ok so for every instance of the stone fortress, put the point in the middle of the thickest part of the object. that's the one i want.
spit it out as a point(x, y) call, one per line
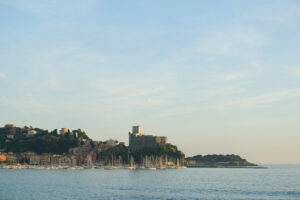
point(137, 140)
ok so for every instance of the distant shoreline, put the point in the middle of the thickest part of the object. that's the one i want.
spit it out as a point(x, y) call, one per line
point(239, 167)
point(20, 166)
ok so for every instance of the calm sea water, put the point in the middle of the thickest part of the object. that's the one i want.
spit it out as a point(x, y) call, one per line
point(277, 182)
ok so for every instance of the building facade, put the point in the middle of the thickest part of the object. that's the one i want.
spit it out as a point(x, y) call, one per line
point(2, 157)
point(11, 157)
point(138, 140)
point(34, 159)
point(112, 143)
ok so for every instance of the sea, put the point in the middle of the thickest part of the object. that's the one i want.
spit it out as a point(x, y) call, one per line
point(280, 182)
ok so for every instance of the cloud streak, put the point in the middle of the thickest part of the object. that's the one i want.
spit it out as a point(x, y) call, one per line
point(286, 14)
point(295, 70)
point(228, 76)
point(260, 100)
point(28, 105)
point(223, 103)
point(230, 42)
point(2, 75)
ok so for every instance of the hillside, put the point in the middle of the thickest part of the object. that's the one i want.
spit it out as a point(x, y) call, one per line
point(218, 161)
point(120, 152)
point(17, 140)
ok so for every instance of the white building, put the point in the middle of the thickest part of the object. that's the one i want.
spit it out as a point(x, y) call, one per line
point(112, 142)
point(31, 133)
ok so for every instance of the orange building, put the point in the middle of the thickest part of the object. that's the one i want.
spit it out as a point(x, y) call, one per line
point(2, 157)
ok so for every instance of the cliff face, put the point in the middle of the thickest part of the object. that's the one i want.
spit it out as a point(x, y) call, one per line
point(218, 161)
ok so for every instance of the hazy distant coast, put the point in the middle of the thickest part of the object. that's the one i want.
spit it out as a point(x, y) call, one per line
point(219, 161)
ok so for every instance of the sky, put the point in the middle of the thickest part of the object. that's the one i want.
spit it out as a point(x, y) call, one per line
point(215, 77)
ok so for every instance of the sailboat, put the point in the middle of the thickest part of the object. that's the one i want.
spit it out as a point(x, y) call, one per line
point(161, 166)
point(178, 166)
point(132, 165)
point(110, 166)
point(149, 167)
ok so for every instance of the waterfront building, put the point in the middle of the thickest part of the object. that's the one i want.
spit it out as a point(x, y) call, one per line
point(79, 159)
point(94, 157)
point(11, 157)
point(81, 153)
point(2, 157)
point(34, 159)
point(73, 160)
point(25, 156)
point(87, 159)
point(54, 159)
point(65, 159)
point(45, 159)
point(138, 140)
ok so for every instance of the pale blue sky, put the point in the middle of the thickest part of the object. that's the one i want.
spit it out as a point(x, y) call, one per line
point(214, 76)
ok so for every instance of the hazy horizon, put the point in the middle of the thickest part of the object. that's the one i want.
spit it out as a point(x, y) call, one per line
point(218, 77)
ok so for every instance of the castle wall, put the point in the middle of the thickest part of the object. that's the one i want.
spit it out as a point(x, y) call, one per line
point(139, 141)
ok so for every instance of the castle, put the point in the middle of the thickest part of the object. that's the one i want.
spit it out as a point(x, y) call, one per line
point(137, 140)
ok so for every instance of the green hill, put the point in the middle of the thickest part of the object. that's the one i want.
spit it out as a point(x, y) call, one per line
point(121, 152)
point(18, 140)
point(218, 161)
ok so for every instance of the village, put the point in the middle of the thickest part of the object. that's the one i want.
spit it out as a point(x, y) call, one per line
point(88, 154)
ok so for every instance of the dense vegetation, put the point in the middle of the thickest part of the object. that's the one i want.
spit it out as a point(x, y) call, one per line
point(220, 160)
point(121, 150)
point(114, 153)
point(42, 142)
point(168, 150)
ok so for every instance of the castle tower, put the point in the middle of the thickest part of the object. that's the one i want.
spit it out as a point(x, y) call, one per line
point(137, 140)
point(137, 130)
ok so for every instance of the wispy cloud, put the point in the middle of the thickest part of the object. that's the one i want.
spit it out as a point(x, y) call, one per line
point(55, 85)
point(179, 111)
point(2, 75)
point(131, 93)
point(260, 100)
point(223, 91)
point(125, 88)
point(228, 76)
point(231, 42)
point(295, 70)
point(48, 8)
point(280, 13)
point(95, 58)
point(211, 104)
point(28, 105)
